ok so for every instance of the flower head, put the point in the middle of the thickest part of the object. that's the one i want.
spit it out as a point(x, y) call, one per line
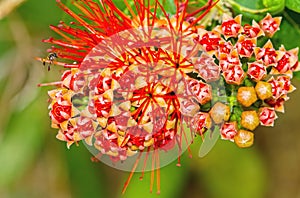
point(134, 82)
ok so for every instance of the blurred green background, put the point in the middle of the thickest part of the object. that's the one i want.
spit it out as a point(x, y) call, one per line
point(34, 164)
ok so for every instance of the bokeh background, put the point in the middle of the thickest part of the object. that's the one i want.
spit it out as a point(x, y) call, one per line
point(34, 164)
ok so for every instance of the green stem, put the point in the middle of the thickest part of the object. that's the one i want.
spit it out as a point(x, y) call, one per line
point(245, 9)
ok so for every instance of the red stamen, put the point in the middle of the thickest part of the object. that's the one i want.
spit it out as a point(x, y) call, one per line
point(58, 84)
point(157, 172)
point(152, 172)
point(131, 173)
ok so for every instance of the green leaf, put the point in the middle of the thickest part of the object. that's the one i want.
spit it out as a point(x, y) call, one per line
point(169, 6)
point(297, 75)
point(293, 5)
point(38, 16)
point(241, 6)
point(289, 33)
point(274, 6)
point(121, 5)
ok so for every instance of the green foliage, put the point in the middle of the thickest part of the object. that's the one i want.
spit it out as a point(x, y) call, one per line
point(226, 171)
point(289, 33)
point(172, 181)
point(253, 9)
point(22, 143)
point(297, 75)
point(39, 15)
point(293, 5)
point(211, 138)
point(169, 6)
point(243, 169)
point(86, 177)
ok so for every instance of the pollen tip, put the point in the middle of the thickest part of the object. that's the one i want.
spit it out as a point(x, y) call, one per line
point(158, 192)
point(179, 165)
point(94, 159)
point(141, 178)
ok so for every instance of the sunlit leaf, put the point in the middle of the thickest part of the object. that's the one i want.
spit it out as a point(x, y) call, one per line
point(253, 5)
point(169, 6)
point(274, 6)
point(293, 5)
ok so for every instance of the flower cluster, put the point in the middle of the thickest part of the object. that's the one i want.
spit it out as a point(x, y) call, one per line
point(140, 84)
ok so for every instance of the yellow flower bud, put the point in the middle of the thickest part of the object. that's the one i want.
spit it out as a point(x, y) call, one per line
point(246, 96)
point(263, 90)
point(244, 138)
point(250, 120)
point(220, 112)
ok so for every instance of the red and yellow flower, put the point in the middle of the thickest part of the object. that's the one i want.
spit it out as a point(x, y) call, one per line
point(134, 82)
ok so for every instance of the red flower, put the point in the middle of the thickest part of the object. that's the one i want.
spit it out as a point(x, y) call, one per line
point(225, 47)
point(68, 133)
point(277, 104)
point(267, 116)
point(270, 25)
point(201, 122)
point(200, 90)
point(228, 131)
point(252, 31)
point(231, 27)
point(228, 60)
point(207, 68)
point(234, 74)
point(61, 111)
point(267, 54)
point(277, 89)
point(257, 71)
point(101, 106)
point(287, 62)
point(210, 41)
point(100, 84)
point(73, 79)
point(245, 46)
point(61, 106)
point(285, 83)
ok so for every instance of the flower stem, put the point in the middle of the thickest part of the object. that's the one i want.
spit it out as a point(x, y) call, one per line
point(245, 9)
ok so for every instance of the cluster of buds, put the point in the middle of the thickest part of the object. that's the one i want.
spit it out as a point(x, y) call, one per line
point(257, 79)
point(137, 83)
